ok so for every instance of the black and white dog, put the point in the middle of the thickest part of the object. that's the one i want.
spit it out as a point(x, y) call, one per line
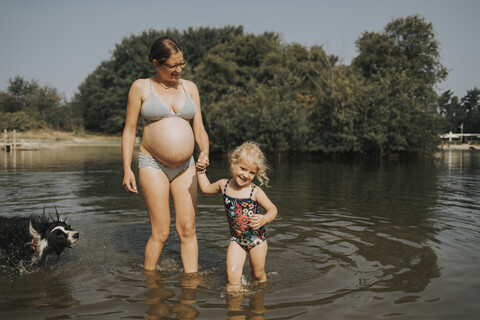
point(27, 241)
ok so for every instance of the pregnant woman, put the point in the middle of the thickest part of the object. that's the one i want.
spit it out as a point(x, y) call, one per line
point(169, 108)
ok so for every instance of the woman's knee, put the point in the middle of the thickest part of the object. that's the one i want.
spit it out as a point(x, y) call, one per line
point(186, 230)
point(160, 235)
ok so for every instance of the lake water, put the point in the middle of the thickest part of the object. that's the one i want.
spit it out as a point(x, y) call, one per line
point(359, 240)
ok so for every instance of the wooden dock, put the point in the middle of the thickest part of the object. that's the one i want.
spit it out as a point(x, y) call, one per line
point(12, 144)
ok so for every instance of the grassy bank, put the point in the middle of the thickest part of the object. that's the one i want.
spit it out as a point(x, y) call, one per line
point(47, 137)
point(47, 134)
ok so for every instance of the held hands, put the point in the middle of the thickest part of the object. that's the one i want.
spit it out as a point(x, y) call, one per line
point(129, 182)
point(202, 162)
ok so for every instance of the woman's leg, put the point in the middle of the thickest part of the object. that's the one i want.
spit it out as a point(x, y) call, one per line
point(258, 256)
point(184, 194)
point(236, 256)
point(155, 190)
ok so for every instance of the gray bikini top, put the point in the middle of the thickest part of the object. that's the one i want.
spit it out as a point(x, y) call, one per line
point(153, 109)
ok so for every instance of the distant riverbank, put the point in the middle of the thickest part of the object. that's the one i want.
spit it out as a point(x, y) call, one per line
point(47, 138)
point(50, 138)
point(456, 146)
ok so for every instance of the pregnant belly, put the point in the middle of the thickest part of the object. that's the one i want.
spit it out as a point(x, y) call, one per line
point(169, 140)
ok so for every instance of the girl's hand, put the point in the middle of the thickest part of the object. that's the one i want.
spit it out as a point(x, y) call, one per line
point(200, 168)
point(129, 182)
point(257, 221)
point(202, 162)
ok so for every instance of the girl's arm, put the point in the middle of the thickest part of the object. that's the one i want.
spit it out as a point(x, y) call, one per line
point(207, 187)
point(201, 136)
point(134, 105)
point(271, 211)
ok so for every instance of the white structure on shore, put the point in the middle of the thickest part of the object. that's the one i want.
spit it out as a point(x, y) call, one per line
point(461, 137)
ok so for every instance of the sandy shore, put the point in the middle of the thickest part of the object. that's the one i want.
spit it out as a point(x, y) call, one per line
point(36, 139)
point(463, 146)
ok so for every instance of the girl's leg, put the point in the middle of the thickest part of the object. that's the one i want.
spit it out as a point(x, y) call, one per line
point(184, 194)
point(155, 190)
point(258, 256)
point(236, 256)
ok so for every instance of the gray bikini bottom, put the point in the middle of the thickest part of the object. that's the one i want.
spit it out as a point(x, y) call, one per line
point(145, 161)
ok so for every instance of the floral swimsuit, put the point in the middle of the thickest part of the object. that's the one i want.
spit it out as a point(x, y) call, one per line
point(239, 211)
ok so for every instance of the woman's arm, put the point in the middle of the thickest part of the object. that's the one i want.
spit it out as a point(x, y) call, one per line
point(134, 105)
point(271, 211)
point(201, 136)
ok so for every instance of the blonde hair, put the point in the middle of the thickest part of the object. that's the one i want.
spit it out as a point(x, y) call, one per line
point(251, 151)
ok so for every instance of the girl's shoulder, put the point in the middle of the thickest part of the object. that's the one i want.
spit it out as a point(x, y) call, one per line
point(222, 183)
point(257, 191)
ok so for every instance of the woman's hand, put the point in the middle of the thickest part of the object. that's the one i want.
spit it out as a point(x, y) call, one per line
point(129, 182)
point(202, 162)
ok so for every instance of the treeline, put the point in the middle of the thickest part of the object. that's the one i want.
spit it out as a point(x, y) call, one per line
point(287, 97)
point(463, 113)
point(26, 105)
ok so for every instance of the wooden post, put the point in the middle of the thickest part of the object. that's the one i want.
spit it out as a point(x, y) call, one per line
point(5, 139)
point(14, 139)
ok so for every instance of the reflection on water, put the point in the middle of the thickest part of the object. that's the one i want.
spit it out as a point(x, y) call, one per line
point(355, 240)
point(158, 297)
point(254, 310)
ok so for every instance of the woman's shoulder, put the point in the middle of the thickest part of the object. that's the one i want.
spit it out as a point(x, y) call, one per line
point(188, 83)
point(141, 87)
point(190, 86)
point(141, 84)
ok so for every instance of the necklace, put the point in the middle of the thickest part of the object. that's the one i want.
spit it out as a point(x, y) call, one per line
point(165, 84)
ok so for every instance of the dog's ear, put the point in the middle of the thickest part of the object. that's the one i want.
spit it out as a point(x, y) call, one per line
point(58, 218)
point(33, 232)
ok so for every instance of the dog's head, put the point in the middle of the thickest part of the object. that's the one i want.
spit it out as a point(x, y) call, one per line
point(51, 236)
point(60, 236)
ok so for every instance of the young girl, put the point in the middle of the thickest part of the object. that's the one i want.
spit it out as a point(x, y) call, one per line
point(241, 198)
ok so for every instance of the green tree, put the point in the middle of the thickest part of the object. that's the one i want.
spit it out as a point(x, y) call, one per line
point(15, 99)
point(235, 63)
point(25, 105)
point(291, 98)
point(402, 67)
point(470, 105)
point(333, 118)
point(455, 112)
point(253, 88)
point(449, 109)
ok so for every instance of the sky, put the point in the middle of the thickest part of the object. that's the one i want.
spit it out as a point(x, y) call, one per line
point(59, 42)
